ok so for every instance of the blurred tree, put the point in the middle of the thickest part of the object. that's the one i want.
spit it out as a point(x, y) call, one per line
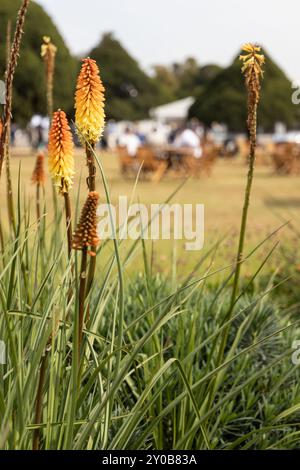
point(206, 74)
point(130, 92)
point(29, 85)
point(223, 99)
point(165, 76)
point(185, 79)
point(186, 74)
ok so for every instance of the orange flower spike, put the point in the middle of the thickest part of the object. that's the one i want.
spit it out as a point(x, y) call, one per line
point(86, 232)
point(89, 103)
point(61, 148)
point(38, 175)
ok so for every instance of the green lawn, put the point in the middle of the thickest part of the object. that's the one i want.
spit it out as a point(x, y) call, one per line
point(274, 199)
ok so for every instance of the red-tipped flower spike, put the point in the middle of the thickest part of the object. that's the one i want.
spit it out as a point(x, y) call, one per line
point(60, 147)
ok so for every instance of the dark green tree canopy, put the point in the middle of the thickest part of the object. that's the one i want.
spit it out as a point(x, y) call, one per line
point(29, 85)
point(185, 79)
point(130, 92)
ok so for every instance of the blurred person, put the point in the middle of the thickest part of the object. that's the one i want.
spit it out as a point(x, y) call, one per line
point(173, 133)
point(156, 137)
point(39, 137)
point(75, 135)
point(230, 147)
point(188, 138)
point(38, 129)
point(131, 141)
point(13, 131)
point(111, 131)
point(141, 136)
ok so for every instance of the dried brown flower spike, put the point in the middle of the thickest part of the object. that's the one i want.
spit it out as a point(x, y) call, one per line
point(86, 232)
point(252, 70)
point(38, 175)
point(48, 53)
point(12, 64)
point(38, 178)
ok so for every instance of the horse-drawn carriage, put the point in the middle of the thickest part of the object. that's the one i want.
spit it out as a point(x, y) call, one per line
point(156, 162)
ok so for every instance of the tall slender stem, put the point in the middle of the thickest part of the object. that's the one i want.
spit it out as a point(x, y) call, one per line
point(39, 401)
point(10, 78)
point(38, 202)
point(1, 237)
point(82, 295)
point(68, 222)
point(91, 167)
point(92, 187)
point(50, 97)
point(252, 69)
point(9, 189)
point(243, 222)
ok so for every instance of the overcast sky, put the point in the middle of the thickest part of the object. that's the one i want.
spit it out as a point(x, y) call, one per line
point(164, 31)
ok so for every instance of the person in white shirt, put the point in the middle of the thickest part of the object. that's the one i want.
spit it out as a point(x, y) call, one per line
point(131, 141)
point(156, 137)
point(189, 139)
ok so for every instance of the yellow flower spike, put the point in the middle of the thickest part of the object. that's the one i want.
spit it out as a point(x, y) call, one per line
point(89, 103)
point(252, 62)
point(60, 148)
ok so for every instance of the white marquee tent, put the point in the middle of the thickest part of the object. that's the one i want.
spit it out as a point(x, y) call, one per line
point(175, 111)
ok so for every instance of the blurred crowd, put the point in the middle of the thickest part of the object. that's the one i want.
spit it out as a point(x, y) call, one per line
point(187, 136)
point(130, 135)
